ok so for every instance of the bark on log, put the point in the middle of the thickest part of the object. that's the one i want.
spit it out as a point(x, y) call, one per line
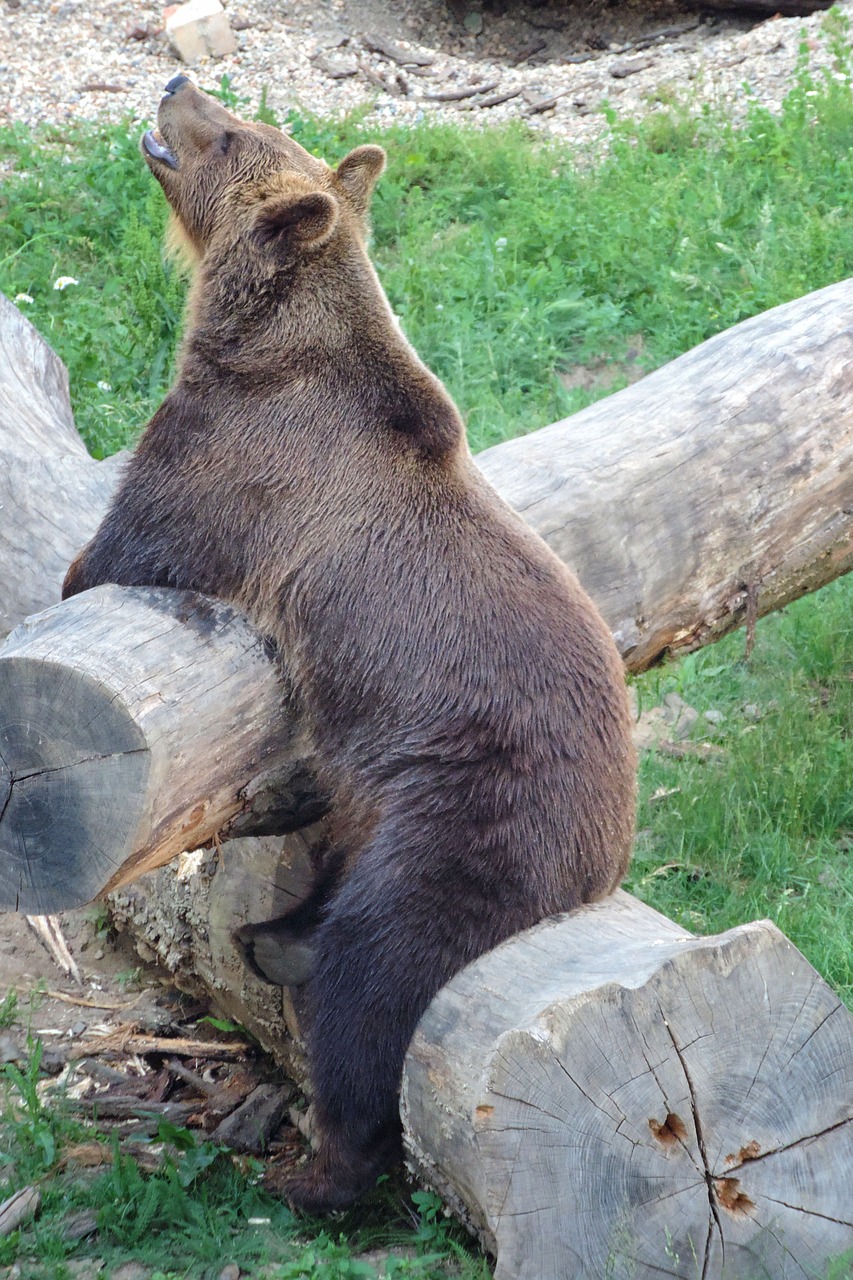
point(607, 1095)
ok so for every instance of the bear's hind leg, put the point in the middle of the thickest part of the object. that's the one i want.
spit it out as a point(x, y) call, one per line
point(396, 931)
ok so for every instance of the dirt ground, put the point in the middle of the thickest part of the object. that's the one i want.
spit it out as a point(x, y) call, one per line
point(116, 987)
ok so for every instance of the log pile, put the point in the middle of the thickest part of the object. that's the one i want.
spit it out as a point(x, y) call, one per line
point(606, 1094)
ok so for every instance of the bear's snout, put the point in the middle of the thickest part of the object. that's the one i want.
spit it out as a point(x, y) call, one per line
point(176, 82)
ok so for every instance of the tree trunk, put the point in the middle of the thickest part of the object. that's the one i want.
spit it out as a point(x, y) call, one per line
point(607, 1095)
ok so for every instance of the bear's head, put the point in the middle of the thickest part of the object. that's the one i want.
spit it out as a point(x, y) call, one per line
point(284, 295)
point(230, 181)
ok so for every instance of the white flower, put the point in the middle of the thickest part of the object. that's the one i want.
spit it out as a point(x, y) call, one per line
point(62, 282)
point(23, 297)
point(439, 306)
point(501, 243)
point(105, 386)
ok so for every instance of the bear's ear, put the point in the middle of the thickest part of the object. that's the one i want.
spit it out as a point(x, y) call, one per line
point(357, 173)
point(308, 220)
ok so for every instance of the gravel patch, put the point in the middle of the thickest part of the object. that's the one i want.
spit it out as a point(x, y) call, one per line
point(552, 65)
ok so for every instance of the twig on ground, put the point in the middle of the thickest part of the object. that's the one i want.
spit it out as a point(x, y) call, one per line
point(48, 930)
point(457, 95)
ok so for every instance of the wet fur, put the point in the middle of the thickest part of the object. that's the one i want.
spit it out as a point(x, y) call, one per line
point(464, 697)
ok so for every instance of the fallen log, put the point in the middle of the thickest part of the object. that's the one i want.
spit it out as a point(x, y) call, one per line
point(608, 1095)
point(717, 489)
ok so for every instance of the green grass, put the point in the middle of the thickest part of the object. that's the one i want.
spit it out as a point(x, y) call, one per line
point(507, 261)
point(764, 829)
point(194, 1213)
point(508, 264)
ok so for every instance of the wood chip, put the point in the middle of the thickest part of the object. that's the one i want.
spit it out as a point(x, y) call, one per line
point(22, 1205)
point(250, 1127)
point(104, 1107)
point(545, 104)
point(104, 1003)
point(216, 1092)
point(389, 85)
point(395, 52)
point(98, 86)
point(77, 1226)
point(89, 1155)
point(126, 1040)
point(457, 95)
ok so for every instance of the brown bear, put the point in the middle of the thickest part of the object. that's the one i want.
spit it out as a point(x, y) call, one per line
point(465, 700)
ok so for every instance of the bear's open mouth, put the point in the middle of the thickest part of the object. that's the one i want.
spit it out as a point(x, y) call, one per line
point(155, 147)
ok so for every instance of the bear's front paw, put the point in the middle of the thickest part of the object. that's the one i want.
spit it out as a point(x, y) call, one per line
point(274, 954)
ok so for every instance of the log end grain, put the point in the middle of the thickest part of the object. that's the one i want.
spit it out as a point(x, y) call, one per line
point(73, 767)
point(687, 1106)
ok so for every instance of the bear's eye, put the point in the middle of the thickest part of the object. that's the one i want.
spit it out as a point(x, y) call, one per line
point(225, 142)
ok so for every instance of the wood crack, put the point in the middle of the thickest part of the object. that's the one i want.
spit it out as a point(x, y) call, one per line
point(800, 1208)
point(788, 1146)
point(60, 768)
point(700, 1141)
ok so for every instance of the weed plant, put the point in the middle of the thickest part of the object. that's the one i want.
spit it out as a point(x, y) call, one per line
point(199, 1210)
point(764, 828)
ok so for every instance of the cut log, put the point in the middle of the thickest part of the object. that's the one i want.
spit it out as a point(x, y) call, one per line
point(608, 1095)
point(135, 725)
point(186, 916)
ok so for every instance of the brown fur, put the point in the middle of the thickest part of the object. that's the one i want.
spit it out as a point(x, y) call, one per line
point(465, 699)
